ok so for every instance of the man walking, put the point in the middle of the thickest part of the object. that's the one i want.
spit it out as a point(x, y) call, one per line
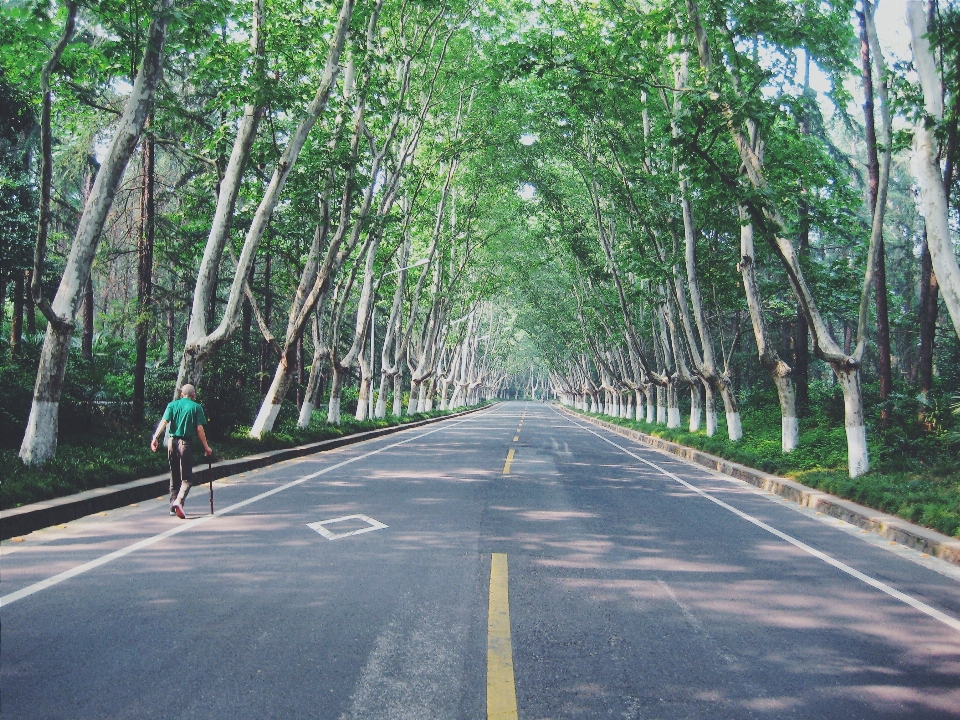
point(185, 417)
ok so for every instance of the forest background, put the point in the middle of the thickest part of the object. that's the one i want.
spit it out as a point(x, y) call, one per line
point(513, 199)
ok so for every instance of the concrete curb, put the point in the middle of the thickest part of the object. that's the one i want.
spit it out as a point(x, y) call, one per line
point(22, 520)
point(889, 526)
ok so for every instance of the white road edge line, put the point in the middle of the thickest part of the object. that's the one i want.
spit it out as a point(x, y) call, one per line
point(147, 542)
point(883, 587)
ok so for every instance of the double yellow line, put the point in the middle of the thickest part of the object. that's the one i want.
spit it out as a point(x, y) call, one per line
point(501, 689)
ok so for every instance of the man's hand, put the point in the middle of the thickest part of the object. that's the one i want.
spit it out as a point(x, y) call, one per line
point(203, 438)
point(154, 441)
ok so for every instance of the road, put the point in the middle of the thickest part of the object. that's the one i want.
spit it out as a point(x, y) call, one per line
point(517, 562)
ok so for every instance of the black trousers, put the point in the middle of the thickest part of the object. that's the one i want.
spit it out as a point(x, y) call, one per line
point(180, 456)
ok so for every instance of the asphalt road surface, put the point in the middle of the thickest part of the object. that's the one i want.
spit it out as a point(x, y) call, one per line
point(517, 562)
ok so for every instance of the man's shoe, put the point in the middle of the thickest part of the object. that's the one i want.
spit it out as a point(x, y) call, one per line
point(172, 511)
point(178, 509)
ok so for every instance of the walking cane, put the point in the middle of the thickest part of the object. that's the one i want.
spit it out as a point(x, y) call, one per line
point(210, 477)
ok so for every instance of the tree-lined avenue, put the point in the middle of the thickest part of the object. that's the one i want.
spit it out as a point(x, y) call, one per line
point(630, 594)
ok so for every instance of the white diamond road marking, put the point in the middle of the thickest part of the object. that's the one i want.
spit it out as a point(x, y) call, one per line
point(319, 526)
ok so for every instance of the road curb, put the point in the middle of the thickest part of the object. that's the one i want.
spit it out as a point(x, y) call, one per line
point(889, 526)
point(22, 520)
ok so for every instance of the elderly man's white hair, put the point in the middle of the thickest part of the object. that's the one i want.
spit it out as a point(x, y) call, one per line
point(188, 390)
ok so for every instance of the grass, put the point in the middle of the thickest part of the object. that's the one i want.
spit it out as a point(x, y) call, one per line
point(915, 476)
point(105, 456)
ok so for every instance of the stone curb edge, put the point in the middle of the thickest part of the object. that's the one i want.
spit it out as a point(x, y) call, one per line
point(22, 520)
point(889, 526)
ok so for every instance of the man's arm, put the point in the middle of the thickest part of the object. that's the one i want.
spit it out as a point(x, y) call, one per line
point(155, 441)
point(207, 450)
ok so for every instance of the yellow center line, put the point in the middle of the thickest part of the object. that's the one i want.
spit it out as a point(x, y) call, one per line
point(516, 437)
point(506, 465)
point(501, 690)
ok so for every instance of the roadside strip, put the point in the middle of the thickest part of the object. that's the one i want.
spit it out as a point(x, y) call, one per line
point(26, 519)
point(889, 526)
point(192, 524)
point(951, 622)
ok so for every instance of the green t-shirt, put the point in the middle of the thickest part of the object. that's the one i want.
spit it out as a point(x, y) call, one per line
point(184, 415)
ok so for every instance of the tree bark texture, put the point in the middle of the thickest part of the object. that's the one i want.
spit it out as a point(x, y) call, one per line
point(144, 281)
point(926, 166)
point(87, 312)
point(46, 164)
point(40, 439)
point(929, 307)
point(769, 359)
point(884, 369)
point(16, 322)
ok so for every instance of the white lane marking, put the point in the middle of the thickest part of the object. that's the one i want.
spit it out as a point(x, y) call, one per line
point(147, 542)
point(319, 526)
point(883, 587)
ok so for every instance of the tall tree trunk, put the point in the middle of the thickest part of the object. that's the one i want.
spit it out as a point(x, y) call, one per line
point(929, 306)
point(366, 380)
point(926, 165)
point(845, 367)
point(397, 409)
point(16, 322)
point(246, 324)
point(801, 334)
point(315, 381)
point(885, 371)
point(46, 163)
point(88, 310)
point(40, 439)
point(86, 337)
point(144, 281)
point(769, 359)
point(300, 396)
point(171, 333)
point(31, 306)
point(200, 345)
point(266, 353)
point(3, 297)
point(336, 388)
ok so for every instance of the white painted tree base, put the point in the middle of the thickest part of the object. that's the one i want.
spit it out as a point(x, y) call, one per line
point(40, 440)
point(858, 459)
point(265, 420)
point(661, 415)
point(734, 427)
point(673, 417)
point(333, 412)
point(306, 413)
point(711, 424)
point(695, 417)
point(790, 433)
